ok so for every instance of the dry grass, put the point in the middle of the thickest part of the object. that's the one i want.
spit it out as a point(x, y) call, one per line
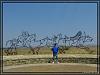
point(73, 50)
point(48, 56)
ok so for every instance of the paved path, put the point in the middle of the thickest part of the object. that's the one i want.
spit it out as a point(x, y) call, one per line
point(47, 64)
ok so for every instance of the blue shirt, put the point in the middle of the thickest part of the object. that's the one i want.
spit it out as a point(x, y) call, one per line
point(55, 50)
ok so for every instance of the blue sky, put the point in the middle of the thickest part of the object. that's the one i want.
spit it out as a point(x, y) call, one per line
point(46, 19)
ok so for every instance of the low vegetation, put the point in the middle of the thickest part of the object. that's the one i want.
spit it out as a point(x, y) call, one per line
point(45, 50)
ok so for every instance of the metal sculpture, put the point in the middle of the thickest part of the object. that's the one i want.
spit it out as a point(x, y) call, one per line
point(28, 40)
point(13, 44)
point(25, 38)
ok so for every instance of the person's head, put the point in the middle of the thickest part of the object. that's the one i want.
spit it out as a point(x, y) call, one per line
point(55, 44)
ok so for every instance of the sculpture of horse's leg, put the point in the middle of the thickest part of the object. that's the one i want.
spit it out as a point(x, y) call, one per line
point(64, 52)
point(7, 51)
point(60, 51)
point(11, 52)
point(37, 52)
point(15, 51)
point(33, 51)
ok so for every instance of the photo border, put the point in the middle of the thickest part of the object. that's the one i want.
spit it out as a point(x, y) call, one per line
point(48, 1)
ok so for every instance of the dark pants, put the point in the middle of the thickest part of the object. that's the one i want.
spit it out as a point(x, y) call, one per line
point(55, 57)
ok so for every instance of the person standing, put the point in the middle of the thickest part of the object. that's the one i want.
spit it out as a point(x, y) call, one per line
point(55, 53)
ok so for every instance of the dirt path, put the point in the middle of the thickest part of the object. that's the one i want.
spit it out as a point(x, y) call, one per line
point(61, 67)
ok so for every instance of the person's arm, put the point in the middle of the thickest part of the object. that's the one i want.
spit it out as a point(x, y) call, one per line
point(58, 48)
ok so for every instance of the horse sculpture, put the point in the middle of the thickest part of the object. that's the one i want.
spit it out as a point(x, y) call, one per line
point(21, 41)
point(75, 38)
point(80, 39)
point(28, 40)
point(35, 50)
point(11, 50)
